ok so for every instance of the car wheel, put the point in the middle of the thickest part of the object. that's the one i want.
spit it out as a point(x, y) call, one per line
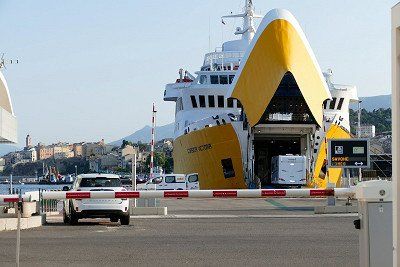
point(65, 217)
point(125, 219)
point(73, 220)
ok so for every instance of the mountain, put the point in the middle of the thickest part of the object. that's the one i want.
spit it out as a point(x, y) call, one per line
point(144, 135)
point(374, 102)
point(6, 148)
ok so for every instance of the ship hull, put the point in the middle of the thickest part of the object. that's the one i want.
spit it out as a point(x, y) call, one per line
point(209, 152)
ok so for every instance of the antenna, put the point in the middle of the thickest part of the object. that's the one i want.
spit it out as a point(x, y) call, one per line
point(4, 62)
point(209, 34)
point(248, 16)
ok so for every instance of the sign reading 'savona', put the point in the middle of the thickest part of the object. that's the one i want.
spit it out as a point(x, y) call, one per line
point(348, 153)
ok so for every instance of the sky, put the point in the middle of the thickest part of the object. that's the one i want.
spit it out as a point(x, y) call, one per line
point(91, 69)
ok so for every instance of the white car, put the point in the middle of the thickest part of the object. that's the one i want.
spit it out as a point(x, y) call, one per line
point(115, 209)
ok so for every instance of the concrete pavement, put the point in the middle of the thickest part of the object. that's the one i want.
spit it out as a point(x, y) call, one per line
point(317, 241)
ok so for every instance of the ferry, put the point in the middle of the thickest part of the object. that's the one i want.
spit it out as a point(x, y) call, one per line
point(258, 97)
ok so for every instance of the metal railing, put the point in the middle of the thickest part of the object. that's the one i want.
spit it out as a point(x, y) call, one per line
point(49, 205)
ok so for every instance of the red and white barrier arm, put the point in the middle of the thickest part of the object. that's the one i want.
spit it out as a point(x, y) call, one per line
point(13, 198)
point(241, 193)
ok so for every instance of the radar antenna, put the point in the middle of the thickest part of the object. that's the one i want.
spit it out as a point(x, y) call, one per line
point(248, 16)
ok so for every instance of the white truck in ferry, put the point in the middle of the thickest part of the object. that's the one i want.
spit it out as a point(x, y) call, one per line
point(288, 170)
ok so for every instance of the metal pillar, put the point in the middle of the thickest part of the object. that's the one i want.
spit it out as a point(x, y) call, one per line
point(134, 177)
point(396, 129)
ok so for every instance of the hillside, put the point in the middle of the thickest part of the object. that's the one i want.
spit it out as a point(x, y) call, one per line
point(6, 148)
point(381, 118)
point(144, 135)
point(374, 102)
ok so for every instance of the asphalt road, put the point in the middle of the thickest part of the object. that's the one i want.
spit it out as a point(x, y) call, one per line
point(236, 241)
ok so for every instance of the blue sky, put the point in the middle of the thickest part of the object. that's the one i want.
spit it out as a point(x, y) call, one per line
point(91, 69)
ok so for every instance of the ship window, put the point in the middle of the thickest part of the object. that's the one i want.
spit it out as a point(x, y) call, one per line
point(193, 178)
point(194, 102)
point(214, 79)
point(220, 101)
point(203, 79)
point(332, 104)
point(339, 106)
point(211, 101)
point(227, 168)
point(238, 104)
point(202, 101)
point(223, 79)
point(169, 179)
point(325, 103)
point(230, 102)
point(231, 77)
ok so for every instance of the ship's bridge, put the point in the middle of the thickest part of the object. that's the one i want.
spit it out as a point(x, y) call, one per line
point(222, 60)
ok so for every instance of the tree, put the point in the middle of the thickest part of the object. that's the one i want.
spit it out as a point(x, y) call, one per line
point(381, 118)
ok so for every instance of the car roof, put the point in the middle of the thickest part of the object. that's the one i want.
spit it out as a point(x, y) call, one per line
point(95, 175)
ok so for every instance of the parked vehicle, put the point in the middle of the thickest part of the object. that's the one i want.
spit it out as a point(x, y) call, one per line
point(115, 209)
point(192, 181)
point(172, 182)
point(288, 170)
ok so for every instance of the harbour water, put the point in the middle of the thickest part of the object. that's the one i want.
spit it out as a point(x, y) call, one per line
point(4, 188)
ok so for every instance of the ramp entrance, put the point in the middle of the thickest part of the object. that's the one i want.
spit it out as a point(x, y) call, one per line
point(266, 147)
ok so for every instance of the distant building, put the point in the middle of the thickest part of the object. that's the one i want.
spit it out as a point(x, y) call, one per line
point(44, 152)
point(28, 141)
point(109, 161)
point(127, 154)
point(78, 149)
point(367, 131)
point(62, 151)
point(29, 154)
point(93, 149)
point(2, 164)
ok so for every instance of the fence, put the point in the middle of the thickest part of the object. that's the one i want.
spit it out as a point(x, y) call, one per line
point(49, 205)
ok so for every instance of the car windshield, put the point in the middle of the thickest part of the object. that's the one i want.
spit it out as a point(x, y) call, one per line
point(100, 182)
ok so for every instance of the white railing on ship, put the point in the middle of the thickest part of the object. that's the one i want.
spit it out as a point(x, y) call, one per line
point(210, 57)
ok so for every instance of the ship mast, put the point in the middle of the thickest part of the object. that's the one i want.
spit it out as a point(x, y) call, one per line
point(248, 16)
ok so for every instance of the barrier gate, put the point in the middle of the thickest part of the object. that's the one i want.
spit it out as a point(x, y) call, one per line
point(374, 198)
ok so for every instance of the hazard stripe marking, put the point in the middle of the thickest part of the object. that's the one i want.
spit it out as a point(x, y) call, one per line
point(273, 193)
point(177, 193)
point(78, 195)
point(127, 194)
point(224, 193)
point(322, 192)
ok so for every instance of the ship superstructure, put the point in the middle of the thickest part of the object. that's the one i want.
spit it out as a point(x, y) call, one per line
point(260, 96)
